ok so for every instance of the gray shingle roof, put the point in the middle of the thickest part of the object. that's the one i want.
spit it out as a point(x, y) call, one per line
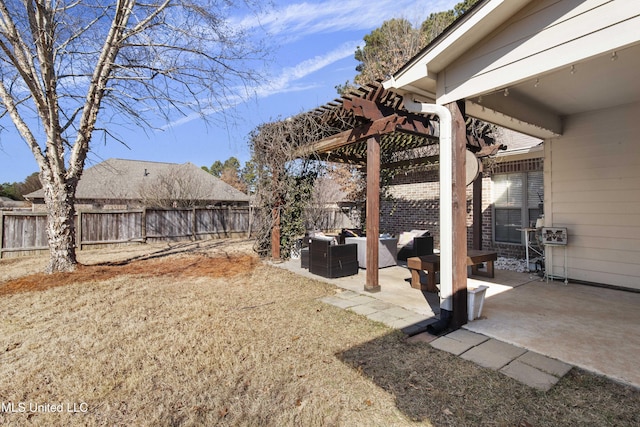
point(6, 202)
point(120, 179)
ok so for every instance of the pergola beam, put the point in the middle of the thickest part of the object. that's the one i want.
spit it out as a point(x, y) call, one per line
point(382, 126)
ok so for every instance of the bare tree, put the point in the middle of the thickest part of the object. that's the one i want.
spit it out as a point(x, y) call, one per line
point(283, 181)
point(175, 188)
point(349, 179)
point(325, 195)
point(70, 68)
point(232, 177)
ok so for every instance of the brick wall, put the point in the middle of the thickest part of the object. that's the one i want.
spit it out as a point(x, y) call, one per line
point(413, 202)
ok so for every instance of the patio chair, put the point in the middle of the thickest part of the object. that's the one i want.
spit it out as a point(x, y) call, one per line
point(349, 232)
point(414, 243)
point(331, 260)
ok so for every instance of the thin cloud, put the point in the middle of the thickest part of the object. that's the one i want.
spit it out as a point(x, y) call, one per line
point(297, 20)
point(285, 82)
point(309, 66)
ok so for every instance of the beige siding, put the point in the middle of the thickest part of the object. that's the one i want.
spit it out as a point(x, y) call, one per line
point(546, 35)
point(592, 187)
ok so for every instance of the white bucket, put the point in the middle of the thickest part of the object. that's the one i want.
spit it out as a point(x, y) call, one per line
point(475, 301)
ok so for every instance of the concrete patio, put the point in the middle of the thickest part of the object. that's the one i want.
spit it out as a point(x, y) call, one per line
point(597, 329)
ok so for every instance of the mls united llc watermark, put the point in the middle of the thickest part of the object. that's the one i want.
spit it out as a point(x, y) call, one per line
point(32, 407)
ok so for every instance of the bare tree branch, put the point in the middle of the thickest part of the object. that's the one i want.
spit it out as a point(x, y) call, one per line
point(70, 67)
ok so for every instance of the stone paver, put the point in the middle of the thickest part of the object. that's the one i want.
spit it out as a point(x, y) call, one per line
point(398, 312)
point(363, 310)
point(383, 317)
point(467, 337)
point(544, 363)
point(419, 328)
point(450, 345)
point(347, 294)
point(338, 302)
point(423, 337)
point(529, 375)
point(380, 305)
point(407, 322)
point(493, 354)
point(358, 299)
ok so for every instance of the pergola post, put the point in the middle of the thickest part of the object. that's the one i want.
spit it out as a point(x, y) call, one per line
point(373, 213)
point(275, 234)
point(477, 212)
point(459, 215)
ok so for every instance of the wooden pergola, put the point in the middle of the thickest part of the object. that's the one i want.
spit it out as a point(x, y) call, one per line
point(371, 128)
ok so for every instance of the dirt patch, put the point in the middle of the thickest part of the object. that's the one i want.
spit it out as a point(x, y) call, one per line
point(199, 265)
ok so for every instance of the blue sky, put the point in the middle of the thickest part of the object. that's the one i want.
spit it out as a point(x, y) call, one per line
point(314, 45)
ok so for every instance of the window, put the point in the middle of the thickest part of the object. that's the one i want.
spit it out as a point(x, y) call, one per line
point(517, 201)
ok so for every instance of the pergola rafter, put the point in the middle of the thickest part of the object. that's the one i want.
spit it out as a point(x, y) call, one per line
point(372, 111)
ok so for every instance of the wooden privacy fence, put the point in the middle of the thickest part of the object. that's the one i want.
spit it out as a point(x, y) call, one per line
point(26, 231)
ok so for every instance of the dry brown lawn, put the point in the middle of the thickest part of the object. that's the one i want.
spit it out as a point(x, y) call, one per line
point(207, 334)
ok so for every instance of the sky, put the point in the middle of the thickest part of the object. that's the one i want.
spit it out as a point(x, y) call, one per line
point(314, 44)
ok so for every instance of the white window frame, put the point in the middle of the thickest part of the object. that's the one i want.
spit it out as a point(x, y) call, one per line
point(527, 203)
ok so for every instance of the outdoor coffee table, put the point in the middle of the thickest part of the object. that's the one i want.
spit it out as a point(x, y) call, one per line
point(431, 264)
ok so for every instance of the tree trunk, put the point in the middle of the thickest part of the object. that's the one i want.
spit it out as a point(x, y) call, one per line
point(61, 230)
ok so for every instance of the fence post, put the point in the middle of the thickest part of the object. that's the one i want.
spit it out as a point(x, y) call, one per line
point(193, 224)
point(79, 231)
point(1, 233)
point(143, 225)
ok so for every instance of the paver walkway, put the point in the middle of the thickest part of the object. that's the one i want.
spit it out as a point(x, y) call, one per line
point(530, 368)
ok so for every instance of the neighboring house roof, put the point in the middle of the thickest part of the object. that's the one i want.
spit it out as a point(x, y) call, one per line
point(6, 202)
point(120, 179)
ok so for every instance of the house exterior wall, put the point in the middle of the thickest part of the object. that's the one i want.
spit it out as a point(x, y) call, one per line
point(592, 187)
point(414, 203)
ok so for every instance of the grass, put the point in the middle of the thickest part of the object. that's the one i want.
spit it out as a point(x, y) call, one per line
point(206, 334)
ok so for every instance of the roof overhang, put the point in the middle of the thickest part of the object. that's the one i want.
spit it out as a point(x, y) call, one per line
point(525, 65)
point(476, 24)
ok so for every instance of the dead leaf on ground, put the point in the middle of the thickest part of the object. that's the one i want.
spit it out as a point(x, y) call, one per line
point(183, 266)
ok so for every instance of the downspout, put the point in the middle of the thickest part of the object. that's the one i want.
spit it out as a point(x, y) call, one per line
point(446, 207)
